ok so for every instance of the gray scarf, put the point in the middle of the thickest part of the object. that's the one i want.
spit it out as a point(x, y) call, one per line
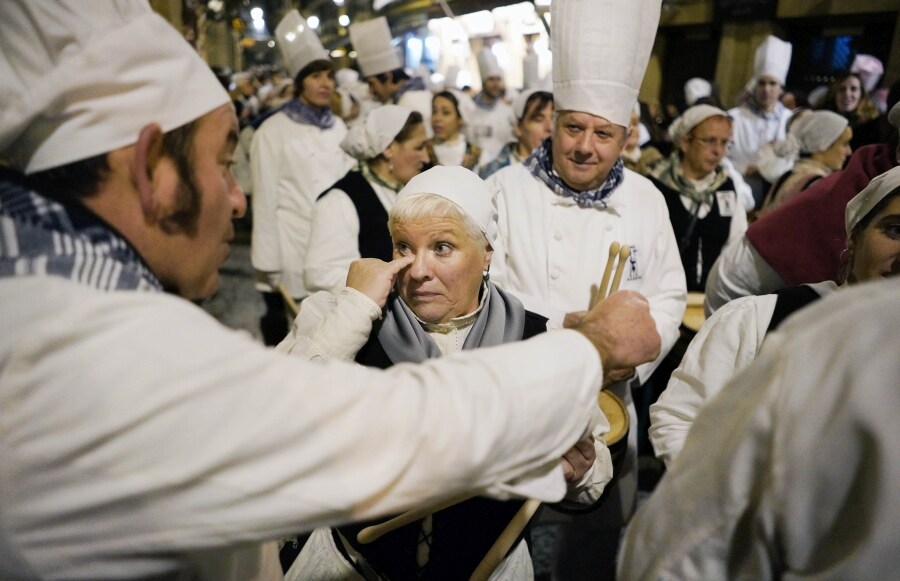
point(501, 320)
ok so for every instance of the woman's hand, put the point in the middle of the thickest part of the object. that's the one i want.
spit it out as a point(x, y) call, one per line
point(375, 278)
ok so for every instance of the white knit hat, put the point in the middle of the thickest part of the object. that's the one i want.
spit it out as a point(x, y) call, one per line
point(462, 187)
point(600, 53)
point(861, 204)
point(78, 79)
point(816, 131)
point(298, 43)
point(487, 64)
point(369, 139)
point(772, 59)
point(374, 51)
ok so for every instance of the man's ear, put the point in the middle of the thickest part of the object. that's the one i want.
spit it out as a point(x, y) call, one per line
point(147, 154)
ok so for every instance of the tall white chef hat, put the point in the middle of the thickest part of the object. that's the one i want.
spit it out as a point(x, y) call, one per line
point(600, 53)
point(369, 139)
point(78, 81)
point(863, 203)
point(531, 76)
point(487, 64)
point(299, 44)
point(773, 59)
point(696, 88)
point(462, 187)
point(869, 69)
point(374, 51)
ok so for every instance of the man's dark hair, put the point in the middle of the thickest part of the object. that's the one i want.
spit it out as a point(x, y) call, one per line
point(397, 75)
point(82, 179)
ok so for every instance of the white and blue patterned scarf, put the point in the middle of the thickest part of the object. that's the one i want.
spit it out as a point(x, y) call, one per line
point(540, 164)
point(41, 237)
point(413, 84)
point(297, 110)
point(483, 103)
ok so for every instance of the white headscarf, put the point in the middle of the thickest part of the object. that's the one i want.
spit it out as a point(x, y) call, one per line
point(369, 139)
point(817, 130)
point(78, 79)
point(861, 204)
point(462, 187)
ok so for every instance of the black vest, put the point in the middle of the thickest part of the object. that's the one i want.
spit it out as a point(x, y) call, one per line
point(374, 238)
point(702, 243)
point(788, 301)
point(461, 534)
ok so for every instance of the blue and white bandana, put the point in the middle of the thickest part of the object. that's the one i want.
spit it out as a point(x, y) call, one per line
point(40, 237)
point(297, 110)
point(483, 103)
point(540, 164)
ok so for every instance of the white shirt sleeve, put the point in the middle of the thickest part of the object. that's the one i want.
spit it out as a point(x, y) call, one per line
point(333, 243)
point(726, 343)
point(738, 272)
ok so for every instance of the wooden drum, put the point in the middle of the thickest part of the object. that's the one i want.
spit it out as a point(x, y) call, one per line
point(617, 414)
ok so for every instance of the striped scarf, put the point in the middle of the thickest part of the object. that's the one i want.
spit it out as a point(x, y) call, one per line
point(41, 237)
point(540, 164)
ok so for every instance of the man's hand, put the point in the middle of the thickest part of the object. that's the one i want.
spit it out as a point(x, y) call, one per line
point(622, 330)
point(579, 459)
point(375, 278)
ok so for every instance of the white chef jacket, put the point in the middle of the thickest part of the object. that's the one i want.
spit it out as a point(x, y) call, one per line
point(336, 326)
point(491, 129)
point(792, 472)
point(140, 437)
point(751, 130)
point(727, 343)
point(739, 271)
point(550, 252)
point(291, 164)
point(334, 240)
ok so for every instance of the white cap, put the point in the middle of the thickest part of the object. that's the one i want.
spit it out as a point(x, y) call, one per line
point(78, 80)
point(346, 78)
point(869, 69)
point(696, 115)
point(374, 51)
point(521, 100)
point(531, 76)
point(600, 53)
point(816, 131)
point(773, 59)
point(487, 64)
point(462, 187)
point(369, 139)
point(298, 43)
point(878, 189)
point(696, 88)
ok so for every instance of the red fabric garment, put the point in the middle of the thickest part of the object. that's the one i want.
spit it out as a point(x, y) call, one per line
point(802, 240)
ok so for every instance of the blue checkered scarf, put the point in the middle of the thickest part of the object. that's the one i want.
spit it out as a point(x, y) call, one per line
point(297, 110)
point(540, 164)
point(40, 237)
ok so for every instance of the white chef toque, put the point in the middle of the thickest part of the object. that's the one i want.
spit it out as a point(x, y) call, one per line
point(78, 81)
point(298, 43)
point(696, 88)
point(531, 76)
point(600, 53)
point(772, 59)
point(374, 52)
point(487, 64)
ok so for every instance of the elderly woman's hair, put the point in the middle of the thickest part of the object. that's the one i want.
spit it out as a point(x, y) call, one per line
point(450, 97)
point(419, 207)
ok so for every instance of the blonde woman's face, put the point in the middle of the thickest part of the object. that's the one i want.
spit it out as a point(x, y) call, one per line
point(848, 95)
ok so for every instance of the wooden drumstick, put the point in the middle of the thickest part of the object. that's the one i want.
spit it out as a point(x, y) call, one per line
point(375, 532)
point(505, 541)
point(624, 254)
point(601, 290)
point(292, 307)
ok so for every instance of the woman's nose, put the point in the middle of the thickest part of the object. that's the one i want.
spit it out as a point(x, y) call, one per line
point(420, 269)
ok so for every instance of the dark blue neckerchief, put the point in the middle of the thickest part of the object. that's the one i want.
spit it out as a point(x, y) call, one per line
point(297, 110)
point(483, 103)
point(413, 84)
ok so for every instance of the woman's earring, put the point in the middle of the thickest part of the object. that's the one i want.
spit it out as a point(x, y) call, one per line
point(486, 275)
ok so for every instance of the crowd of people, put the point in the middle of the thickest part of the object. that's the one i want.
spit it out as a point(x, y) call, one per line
point(430, 411)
